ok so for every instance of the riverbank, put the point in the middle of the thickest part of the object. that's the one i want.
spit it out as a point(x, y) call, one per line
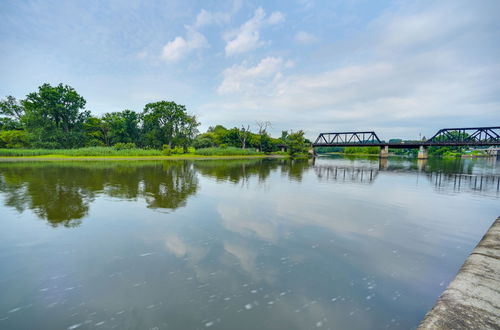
point(472, 300)
point(121, 158)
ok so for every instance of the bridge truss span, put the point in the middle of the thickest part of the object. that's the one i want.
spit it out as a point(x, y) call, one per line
point(469, 136)
point(348, 138)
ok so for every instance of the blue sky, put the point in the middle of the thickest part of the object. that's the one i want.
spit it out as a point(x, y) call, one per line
point(401, 68)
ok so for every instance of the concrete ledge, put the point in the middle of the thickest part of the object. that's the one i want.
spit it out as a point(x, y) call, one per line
point(472, 300)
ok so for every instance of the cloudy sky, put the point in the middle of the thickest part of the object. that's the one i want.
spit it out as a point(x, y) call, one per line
point(401, 68)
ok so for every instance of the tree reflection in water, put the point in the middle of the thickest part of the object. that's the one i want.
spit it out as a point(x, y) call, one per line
point(61, 192)
point(237, 171)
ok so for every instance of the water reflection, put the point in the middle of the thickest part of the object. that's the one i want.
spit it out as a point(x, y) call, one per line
point(237, 171)
point(62, 192)
point(445, 175)
point(240, 244)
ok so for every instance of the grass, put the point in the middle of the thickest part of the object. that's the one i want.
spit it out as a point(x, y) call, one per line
point(101, 153)
point(230, 151)
point(81, 152)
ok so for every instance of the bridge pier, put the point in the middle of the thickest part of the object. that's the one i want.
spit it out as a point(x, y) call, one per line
point(423, 152)
point(384, 151)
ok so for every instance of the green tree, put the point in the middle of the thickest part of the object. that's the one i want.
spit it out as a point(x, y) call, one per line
point(202, 141)
point(97, 131)
point(124, 126)
point(244, 135)
point(296, 143)
point(55, 116)
point(11, 114)
point(187, 132)
point(168, 123)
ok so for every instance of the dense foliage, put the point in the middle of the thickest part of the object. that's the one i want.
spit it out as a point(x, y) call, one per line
point(55, 118)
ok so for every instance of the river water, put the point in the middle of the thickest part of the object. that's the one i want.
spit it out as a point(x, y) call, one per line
point(333, 243)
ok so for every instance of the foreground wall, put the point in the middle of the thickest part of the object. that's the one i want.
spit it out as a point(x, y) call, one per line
point(472, 300)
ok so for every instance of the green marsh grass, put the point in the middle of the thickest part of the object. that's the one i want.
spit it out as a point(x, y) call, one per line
point(229, 151)
point(81, 152)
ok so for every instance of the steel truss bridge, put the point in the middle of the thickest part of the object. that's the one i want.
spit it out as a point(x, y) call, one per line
point(470, 136)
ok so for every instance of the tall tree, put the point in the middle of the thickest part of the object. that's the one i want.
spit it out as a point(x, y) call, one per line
point(55, 115)
point(244, 135)
point(97, 131)
point(124, 126)
point(167, 123)
point(11, 113)
point(187, 132)
point(297, 144)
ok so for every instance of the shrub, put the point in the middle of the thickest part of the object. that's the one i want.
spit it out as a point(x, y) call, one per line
point(124, 146)
point(14, 139)
point(167, 151)
point(362, 150)
point(177, 150)
point(202, 142)
point(228, 151)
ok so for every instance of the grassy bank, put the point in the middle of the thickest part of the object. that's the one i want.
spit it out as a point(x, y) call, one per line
point(81, 152)
point(230, 151)
point(100, 153)
point(112, 152)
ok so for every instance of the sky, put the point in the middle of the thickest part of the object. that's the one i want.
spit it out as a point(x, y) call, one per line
point(400, 68)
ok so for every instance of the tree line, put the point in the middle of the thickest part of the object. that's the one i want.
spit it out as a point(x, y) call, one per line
point(55, 117)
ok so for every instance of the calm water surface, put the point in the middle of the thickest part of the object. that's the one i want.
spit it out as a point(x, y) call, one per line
point(240, 244)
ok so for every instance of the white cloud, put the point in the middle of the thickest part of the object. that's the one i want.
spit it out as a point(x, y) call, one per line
point(205, 17)
point(303, 37)
point(180, 46)
point(243, 78)
point(275, 18)
point(247, 37)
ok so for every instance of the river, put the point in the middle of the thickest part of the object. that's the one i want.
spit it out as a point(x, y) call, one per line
point(334, 243)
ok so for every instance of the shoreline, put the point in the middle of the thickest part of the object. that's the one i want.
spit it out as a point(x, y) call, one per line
point(135, 158)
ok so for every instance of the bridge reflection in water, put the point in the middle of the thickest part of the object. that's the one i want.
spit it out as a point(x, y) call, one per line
point(346, 174)
point(367, 173)
point(465, 181)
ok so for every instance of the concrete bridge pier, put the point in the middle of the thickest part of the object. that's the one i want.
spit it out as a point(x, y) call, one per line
point(384, 151)
point(423, 152)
